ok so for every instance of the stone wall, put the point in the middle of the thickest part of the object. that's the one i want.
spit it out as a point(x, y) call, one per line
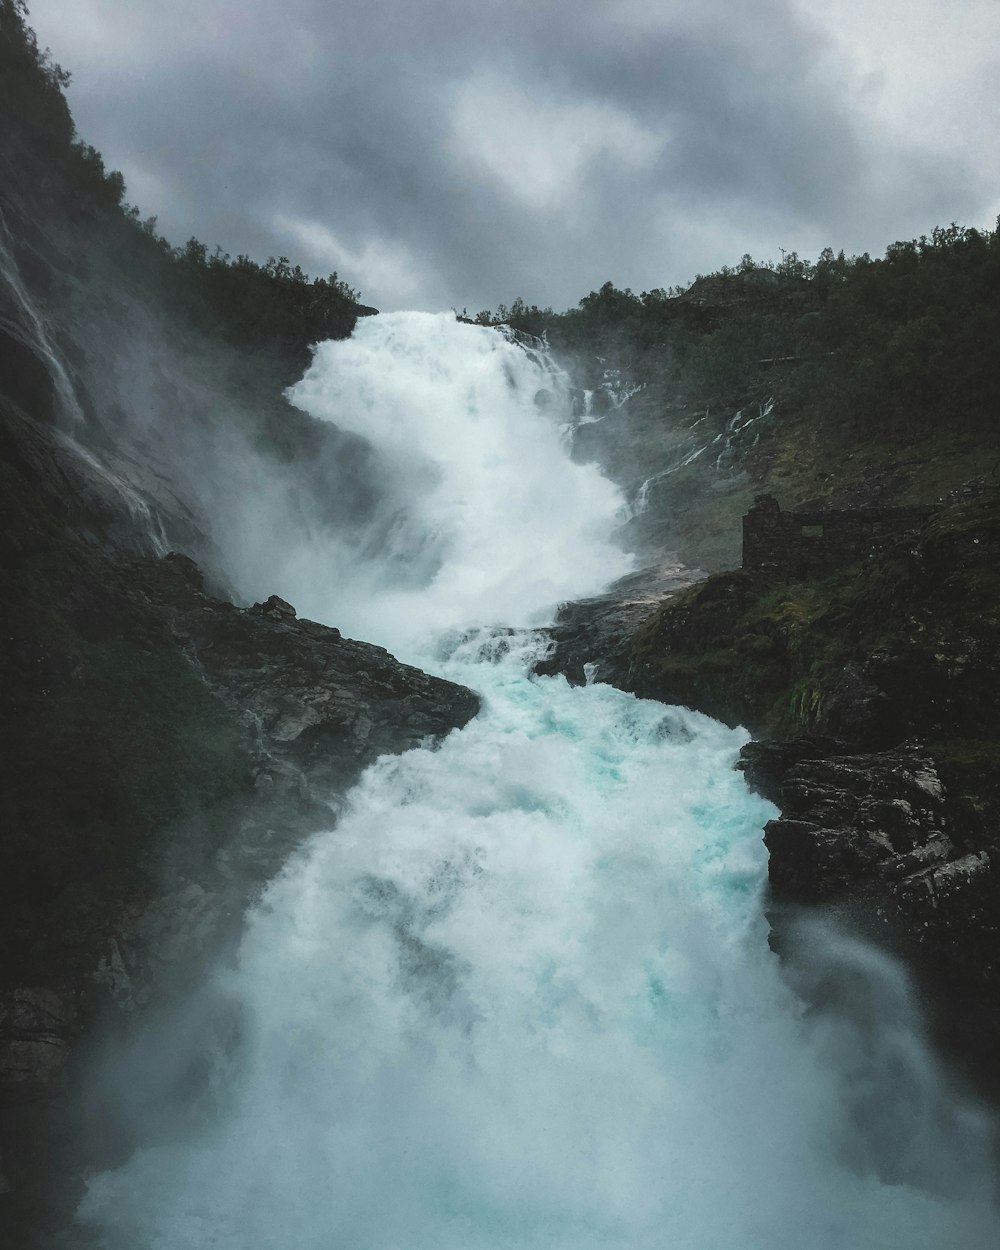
point(807, 543)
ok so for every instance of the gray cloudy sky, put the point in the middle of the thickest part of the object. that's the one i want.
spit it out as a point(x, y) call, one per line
point(464, 152)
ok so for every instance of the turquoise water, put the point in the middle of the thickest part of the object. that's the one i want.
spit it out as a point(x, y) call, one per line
point(522, 997)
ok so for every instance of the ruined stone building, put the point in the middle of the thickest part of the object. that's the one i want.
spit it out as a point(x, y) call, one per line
point(812, 542)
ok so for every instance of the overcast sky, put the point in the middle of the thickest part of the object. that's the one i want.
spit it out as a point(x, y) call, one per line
point(460, 153)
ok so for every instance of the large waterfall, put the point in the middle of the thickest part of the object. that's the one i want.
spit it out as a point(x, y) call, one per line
point(521, 995)
point(481, 516)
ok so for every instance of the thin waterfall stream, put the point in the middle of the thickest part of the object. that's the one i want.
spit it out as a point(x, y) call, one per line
point(521, 996)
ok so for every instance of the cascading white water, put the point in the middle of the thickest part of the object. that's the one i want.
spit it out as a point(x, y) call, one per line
point(521, 996)
point(30, 328)
point(483, 518)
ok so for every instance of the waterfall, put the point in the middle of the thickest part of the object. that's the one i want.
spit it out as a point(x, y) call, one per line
point(521, 996)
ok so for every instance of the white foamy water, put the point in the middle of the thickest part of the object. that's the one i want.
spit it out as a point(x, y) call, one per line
point(521, 996)
point(483, 516)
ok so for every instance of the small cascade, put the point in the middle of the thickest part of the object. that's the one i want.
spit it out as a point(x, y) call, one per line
point(146, 519)
point(30, 327)
point(731, 443)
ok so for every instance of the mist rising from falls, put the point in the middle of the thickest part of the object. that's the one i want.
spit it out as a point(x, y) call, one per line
point(521, 996)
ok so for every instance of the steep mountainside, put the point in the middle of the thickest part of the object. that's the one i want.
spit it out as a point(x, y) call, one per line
point(162, 741)
point(850, 380)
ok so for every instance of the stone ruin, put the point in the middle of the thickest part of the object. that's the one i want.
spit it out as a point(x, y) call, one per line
point(812, 542)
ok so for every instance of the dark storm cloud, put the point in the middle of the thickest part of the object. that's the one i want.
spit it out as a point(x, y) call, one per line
point(467, 151)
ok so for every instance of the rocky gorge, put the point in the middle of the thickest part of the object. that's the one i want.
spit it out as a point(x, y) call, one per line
point(171, 738)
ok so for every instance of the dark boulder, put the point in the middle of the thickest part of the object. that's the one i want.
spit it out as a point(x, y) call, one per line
point(849, 823)
point(277, 609)
point(591, 637)
point(878, 840)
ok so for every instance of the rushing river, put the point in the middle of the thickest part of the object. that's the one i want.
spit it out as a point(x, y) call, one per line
point(521, 995)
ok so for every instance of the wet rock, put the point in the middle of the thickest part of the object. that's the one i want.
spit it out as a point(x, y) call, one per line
point(877, 839)
point(36, 1027)
point(590, 638)
point(186, 568)
point(850, 823)
point(324, 704)
point(275, 608)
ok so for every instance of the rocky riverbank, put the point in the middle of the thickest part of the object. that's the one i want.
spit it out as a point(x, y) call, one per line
point(591, 637)
point(872, 684)
point(880, 842)
point(164, 752)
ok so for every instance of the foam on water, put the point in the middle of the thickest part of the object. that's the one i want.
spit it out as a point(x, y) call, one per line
point(521, 996)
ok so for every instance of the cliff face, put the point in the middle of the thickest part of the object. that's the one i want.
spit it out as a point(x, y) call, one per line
point(844, 382)
point(164, 749)
point(893, 843)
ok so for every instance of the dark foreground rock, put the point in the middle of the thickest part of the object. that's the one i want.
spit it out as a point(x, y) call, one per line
point(164, 752)
point(878, 840)
point(849, 823)
point(591, 637)
point(318, 707)
point(839, 669)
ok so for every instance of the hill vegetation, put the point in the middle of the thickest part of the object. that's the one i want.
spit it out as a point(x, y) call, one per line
point(851, 379)
point(272, 305)
point(903, 340)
